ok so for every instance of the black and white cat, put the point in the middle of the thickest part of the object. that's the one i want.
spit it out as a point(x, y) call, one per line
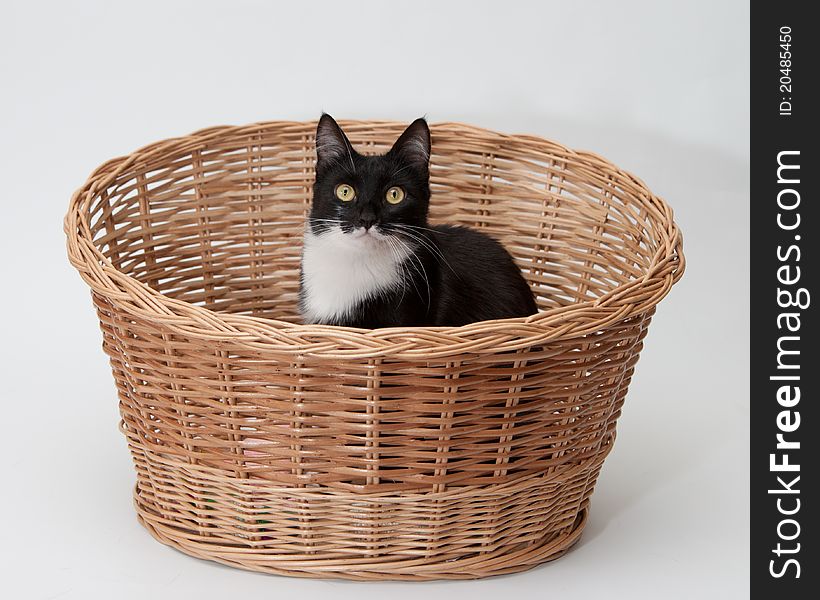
point(370, 259)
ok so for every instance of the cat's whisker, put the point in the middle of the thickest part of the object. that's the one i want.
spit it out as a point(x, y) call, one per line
point(436, 252)
point(397, 256)
point(430, 246)
point(419, 227)
point(426, 280)
point(413, 260)
point(326, 224)
point(406, 264)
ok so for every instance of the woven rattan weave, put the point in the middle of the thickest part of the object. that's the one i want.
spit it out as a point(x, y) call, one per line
point(404, 453)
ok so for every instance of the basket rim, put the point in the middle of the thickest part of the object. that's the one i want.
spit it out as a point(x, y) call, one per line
point(571, 321)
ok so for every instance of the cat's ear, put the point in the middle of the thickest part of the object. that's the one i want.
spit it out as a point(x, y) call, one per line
point(413, 146)
point(331, 142)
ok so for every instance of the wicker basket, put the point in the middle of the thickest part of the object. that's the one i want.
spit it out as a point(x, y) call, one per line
point(403, 453)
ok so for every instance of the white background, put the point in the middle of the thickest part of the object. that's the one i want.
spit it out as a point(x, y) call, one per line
point(660, 88)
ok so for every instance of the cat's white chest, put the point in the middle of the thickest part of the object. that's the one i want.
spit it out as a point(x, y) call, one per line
point(339, 271)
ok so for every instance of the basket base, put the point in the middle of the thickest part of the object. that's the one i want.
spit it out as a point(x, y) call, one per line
point(499, 562)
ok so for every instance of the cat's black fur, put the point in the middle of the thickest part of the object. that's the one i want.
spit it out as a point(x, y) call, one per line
point(469, 276)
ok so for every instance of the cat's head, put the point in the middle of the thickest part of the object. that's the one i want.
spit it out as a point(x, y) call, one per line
point(370, 197)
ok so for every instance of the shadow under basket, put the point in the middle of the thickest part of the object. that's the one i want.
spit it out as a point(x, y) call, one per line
point(401, 453)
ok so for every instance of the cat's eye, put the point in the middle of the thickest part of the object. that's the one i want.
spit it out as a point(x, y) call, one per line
point(345, 192)
point(394, 195)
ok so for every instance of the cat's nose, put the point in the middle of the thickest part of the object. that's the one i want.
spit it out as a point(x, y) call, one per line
point(367, 222)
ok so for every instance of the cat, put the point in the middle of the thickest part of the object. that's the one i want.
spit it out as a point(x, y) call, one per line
point(370, 259)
